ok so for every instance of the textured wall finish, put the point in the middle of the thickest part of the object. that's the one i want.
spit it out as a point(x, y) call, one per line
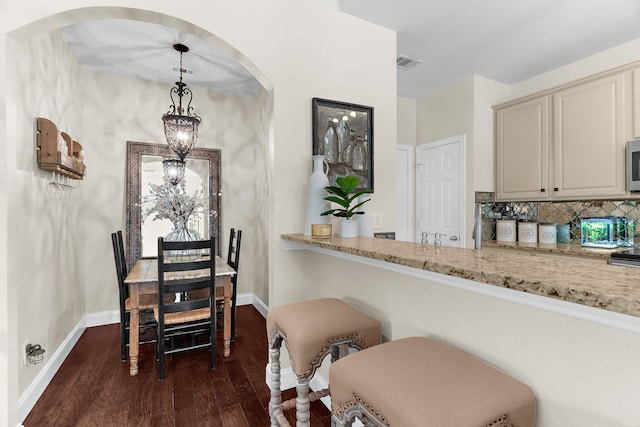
point(47, 245)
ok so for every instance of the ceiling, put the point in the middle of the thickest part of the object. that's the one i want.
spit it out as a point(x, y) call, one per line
point(503, 40)
point(145, 50)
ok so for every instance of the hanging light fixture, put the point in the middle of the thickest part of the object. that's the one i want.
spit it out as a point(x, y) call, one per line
point(173, 170)
point(180, 123)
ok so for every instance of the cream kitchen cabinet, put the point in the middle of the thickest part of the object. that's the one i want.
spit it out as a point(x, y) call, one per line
point(635, 81)
point(523, 133)
point(567, 143)
point(589, 139)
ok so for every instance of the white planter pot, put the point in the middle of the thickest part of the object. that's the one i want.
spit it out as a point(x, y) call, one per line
point(348, 228)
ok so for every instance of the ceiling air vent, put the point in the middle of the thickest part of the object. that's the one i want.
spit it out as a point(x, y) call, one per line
point(405, 62)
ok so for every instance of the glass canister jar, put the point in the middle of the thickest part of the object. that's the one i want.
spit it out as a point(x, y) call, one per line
point(347, 153)
point(563, 234)
point(359, 162)
point(343, 132)
point(330, 142)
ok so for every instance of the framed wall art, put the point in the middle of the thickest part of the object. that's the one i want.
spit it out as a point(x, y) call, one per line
point(343, 133)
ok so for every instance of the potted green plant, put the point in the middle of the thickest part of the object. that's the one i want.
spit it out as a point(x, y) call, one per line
point(345, 194)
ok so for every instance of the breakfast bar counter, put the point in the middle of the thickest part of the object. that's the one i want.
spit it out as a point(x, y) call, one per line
point(567, 326)
point(589, 281)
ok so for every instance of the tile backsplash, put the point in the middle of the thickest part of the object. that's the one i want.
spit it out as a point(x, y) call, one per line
point(568, 212)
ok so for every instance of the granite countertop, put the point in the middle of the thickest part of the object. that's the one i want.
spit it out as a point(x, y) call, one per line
point(590, 281)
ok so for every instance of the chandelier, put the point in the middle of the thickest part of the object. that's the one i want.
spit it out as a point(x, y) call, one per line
point(173, 170)
point(180, 125)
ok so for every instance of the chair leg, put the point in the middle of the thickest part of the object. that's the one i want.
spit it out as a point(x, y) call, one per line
point(233, 314)
point(233, 319)
point(275, 404)
point(212, 341)
point(123, 341)
point(161, 355)
point(124, 332)
point(303, 404)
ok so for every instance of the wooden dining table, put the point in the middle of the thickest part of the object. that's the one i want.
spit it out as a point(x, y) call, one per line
point(143, 279)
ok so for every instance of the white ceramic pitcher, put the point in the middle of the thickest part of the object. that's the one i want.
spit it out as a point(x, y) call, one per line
point(316, 194)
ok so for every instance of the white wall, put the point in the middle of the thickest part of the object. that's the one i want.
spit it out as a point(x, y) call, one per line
point(486, 93)
point(407, 136)
point(446, 113)
point(373, 85)
point(264, 35)
point(47, 257)
point(406, 117)
point(8, 299)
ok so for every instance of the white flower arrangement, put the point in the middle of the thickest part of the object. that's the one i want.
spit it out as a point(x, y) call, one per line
point(173, 203)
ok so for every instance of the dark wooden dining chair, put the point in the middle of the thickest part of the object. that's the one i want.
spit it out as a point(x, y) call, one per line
point(233, 260)
point(147, 302)
point(187, 324)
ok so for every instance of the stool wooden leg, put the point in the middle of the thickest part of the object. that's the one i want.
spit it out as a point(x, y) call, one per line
point(302, 403)
point(335, 353)
point(336, 423)
point(275, 404)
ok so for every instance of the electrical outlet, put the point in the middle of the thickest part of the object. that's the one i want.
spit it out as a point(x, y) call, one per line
point(376, 220)
point(25, 362)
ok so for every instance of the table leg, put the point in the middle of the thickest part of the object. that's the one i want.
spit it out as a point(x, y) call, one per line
point(134, 328)
point(226, 333)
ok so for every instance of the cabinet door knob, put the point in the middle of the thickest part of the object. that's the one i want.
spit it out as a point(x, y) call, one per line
point(555, 188)
point(542, 190)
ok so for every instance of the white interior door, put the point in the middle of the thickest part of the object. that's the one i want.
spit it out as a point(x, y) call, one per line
point(439, 191)
point(404, 192)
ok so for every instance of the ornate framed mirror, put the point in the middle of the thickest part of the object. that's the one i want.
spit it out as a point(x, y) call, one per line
point(145, 181)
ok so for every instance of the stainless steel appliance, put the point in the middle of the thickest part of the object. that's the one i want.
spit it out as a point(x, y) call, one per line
point(633, 165)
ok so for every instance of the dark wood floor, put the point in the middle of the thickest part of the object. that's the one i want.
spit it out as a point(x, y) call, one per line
point(93, 387)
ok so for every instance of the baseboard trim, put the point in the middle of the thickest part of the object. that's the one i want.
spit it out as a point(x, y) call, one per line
point(28, 399)
point(102, 318)
point(251, 299)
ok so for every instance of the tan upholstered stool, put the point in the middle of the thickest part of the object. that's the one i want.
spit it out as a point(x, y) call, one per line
point(311, 330)
point(421, 382)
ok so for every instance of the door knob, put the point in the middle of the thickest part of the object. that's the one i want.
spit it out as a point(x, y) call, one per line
point(454, 238)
